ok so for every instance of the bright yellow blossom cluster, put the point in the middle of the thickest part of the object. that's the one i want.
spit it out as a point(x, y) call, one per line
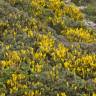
point(62, 94)
point(83, 66)
point(84, 35)
point(33, 93)
point(60, 52)
point(45, 43)
point(14, 82)
point(74, 12)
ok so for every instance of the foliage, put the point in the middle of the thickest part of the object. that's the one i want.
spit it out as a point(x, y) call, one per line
point(33, 62)
point(91, 12)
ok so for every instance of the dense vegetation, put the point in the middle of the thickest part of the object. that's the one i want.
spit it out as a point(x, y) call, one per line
point(90, 9)
point(46, 49)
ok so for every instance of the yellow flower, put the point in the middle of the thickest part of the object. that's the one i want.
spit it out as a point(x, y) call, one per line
point(38, 68)
point(8, 82)
point(3, 63)
point(8, 46)
point(2, 94)
point(13, 56)
point(15, 89)
point(30, 33)
point(94, 94)
point(94, 80)
point(21, 76)
point(14, 77)
point(32, 93)
point(63, 94)
point(61, 51)
point(46, 43)
point(58, 94)
point(66, 64)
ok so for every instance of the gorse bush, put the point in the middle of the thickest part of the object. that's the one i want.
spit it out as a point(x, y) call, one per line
point(33, 61)
point(74, 33)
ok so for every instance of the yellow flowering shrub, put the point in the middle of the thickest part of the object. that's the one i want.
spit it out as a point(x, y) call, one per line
point(13, 55)
point(32, 93)
point(7, 63)
point(83, 35)
point(74, 12)
point(61, 94)
point(45, 43)
point(83, 66)
point(60, 52)
point(13, 82)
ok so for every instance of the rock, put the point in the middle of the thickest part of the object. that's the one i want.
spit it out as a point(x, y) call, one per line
point(90, 24)
point(82, 7)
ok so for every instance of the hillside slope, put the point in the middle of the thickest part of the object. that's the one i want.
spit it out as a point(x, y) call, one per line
point(46, 49)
